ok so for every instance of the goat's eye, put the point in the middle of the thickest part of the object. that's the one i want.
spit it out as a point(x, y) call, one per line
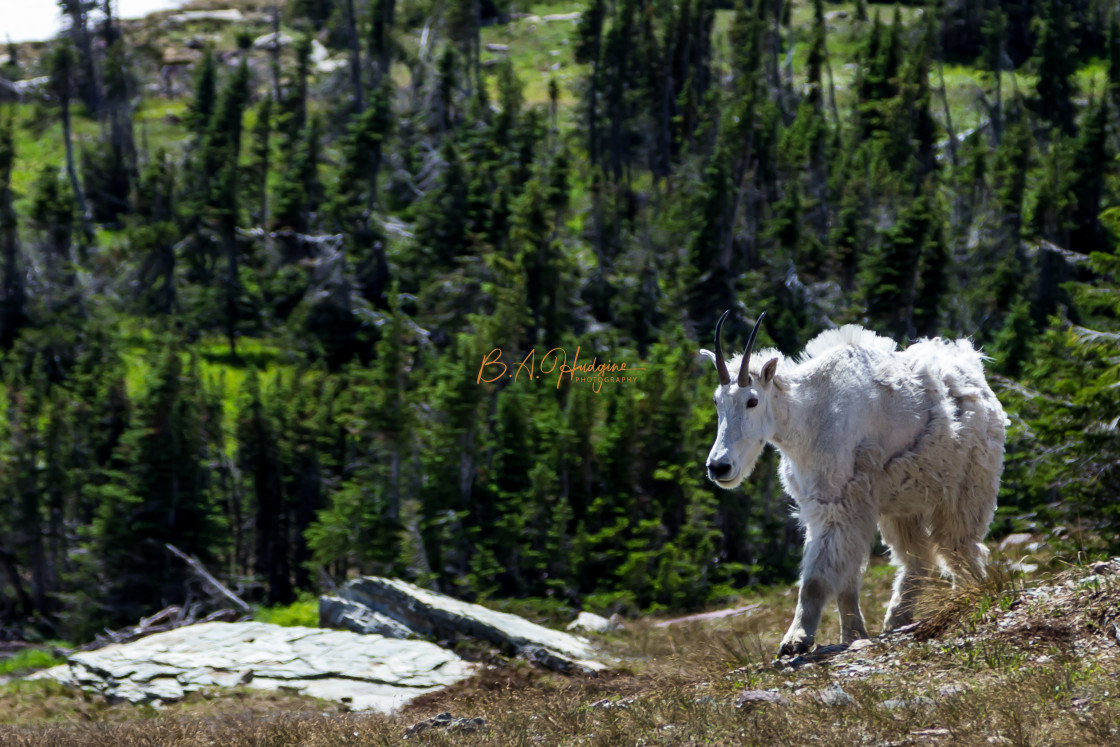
point(752, 402)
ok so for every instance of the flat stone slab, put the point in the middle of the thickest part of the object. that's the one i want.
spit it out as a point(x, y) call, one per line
point(368, 672)
point(435, 615)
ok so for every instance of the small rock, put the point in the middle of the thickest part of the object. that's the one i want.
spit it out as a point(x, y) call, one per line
point(592, 623)
point(219, 16)
point(501, 48)
point(607, 704)
point(1013, 540)
point(896, 704)
point(834, 695)
point(272, 41)
point(760, 696)
point(836, 15)
point(862, 643)
point(447, 722)
point(705, 700)
point(1022, 566)
point(573, 16)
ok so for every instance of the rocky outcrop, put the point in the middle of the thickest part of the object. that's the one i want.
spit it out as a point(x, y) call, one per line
point(438, 616)
point(342, 613)
point(230, 15)
point(368, 672)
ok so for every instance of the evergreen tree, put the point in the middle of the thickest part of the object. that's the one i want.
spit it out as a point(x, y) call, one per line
point(1114, 60)
point(260, 160)
point(889, 275)
point(1055, 62)
point(157, 493)
point(1089, 171)
point(61, 65)
point(52, 213)
point(13, 294)
point(259, 459)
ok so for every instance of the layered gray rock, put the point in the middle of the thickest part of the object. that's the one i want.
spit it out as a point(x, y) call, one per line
point(335, 612)
point(368, 672)
point(433, 615)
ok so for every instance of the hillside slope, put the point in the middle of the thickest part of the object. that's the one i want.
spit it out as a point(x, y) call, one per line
point(1014, 662)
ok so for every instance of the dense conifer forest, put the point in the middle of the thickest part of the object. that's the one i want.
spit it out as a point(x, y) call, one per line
point(255, 278)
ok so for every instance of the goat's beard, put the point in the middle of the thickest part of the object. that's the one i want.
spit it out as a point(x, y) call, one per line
point(747, 464)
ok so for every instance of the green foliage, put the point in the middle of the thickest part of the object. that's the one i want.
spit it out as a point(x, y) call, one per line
point(1056, 64)
point(302, 612)
point(269, 356)
point(28, 659)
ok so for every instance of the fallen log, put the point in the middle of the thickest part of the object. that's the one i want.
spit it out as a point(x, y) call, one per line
point(205, 575)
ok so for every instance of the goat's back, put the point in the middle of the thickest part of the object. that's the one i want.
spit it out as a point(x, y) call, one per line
point(953, 469)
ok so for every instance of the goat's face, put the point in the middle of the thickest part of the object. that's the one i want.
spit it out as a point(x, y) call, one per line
point(746, 422)
point(746, 418)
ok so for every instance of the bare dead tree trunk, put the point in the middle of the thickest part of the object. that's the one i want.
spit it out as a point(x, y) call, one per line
point(274, 52)
point(89, 89)
point(72, 172)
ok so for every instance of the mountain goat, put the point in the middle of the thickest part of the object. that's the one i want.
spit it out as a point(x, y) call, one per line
point(911, 440)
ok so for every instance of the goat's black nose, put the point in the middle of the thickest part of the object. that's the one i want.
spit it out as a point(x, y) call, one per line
point(718, 470)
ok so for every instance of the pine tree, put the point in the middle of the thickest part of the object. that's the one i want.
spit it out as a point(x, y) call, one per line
point(52, 213)
point(157, 494)
point(1013, 341)
point(61, 65)
point(1114, 60)
point(259, 460)
point(890, 272)
point(442, 213)
point(204, 98)
point(1089, 171)
point(260, 159)
point(13, 294)
point(223, 145)
point(381, 43)
point(1056, 64)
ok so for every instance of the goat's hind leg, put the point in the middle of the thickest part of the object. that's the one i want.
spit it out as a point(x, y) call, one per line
point(852, 627)
point(912, 553)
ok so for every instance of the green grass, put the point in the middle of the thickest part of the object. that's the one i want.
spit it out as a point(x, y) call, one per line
point(27, 660)
point(304, 611)
point(535, 47)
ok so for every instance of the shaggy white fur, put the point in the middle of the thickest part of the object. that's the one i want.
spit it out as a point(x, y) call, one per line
point(910, 440)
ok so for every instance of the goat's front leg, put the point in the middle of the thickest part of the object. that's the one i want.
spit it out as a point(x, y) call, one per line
point(835, 555)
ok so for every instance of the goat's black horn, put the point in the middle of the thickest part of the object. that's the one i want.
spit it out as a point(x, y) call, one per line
point(744, 372)
point(721, 365)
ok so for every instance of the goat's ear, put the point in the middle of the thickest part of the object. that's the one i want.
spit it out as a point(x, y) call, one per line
point(769, 370)
point(709, 355)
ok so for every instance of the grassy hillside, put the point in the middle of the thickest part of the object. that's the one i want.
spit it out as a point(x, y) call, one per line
point(1020, 660)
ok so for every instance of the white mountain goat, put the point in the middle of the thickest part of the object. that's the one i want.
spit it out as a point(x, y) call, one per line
point(911, 440)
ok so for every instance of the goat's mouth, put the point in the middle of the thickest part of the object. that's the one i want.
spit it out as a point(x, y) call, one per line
point(727, 483)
